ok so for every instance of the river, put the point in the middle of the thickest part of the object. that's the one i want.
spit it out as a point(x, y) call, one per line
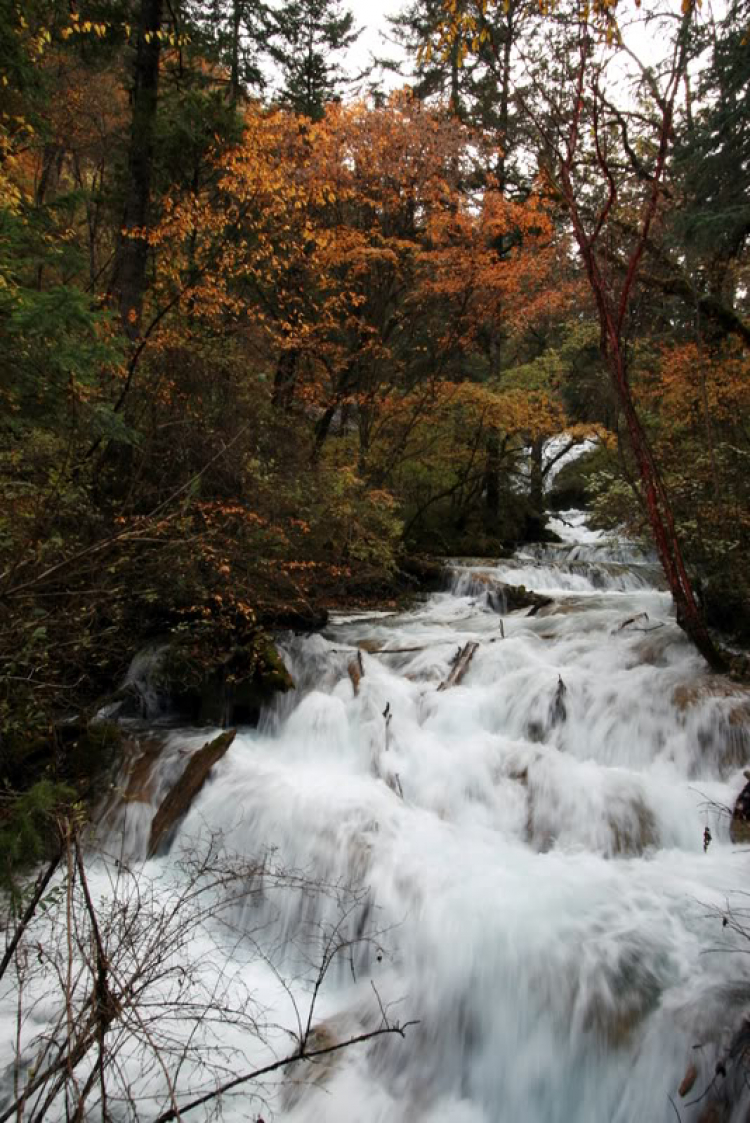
point(527, 845)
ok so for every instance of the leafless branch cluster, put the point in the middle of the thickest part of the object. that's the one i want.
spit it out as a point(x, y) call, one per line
point(132, 995)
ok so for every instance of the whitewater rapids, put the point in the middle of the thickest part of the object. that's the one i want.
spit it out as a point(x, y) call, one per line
point(531, 842)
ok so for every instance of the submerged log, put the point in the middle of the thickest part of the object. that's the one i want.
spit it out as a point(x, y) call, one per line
point(356, 670)
point(179, 800)
point(558, 709)
point(688, 1080)
point(371, 649)
point(460, 665)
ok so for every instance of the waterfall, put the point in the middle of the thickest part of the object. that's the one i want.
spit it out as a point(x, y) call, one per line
point(527, 845)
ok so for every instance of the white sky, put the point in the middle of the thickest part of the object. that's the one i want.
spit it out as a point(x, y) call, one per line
point(370, 15)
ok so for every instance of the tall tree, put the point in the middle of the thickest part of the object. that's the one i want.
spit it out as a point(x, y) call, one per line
point(306, 40)
point(596, 181)
point(129, 275)
point(479, 85)
point(232, 31)
point(713, 158)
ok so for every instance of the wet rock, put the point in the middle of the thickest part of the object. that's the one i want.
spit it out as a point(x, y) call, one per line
point(535, 732)
point(180, 798)
point(518, 596)
point(370, 645)
point(500, 596)
point(739, 829)
point(722, 728)
point(558, 709)
point(201, 688)
point(724, 1086)
point(317, 1071)
point(616, 1010)
point(139, 757)
point(426, 573)
point(714, 1113)
point(687, 695)
point(636, 833)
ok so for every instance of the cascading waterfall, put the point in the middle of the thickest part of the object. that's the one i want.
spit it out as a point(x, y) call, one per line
point(531, 842)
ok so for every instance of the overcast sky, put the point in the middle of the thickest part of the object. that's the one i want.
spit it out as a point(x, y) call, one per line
point(370, 15)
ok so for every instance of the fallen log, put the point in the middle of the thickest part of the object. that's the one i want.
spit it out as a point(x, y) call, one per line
point(631, 620)
point(177, 802)
point(460, 665)
point(392, 650)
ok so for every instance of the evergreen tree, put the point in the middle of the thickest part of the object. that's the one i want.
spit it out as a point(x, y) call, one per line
point(713, 157)
point(482, 86)
point(232, 31)
point(305, 40)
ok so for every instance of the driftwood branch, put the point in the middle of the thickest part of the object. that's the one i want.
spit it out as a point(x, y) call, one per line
point(301, 1054)
point(460, 666)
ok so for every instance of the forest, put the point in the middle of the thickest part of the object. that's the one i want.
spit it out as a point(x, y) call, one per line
point(273, 340)
point(374, 593)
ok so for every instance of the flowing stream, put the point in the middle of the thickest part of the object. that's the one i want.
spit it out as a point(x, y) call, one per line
point(529, 846)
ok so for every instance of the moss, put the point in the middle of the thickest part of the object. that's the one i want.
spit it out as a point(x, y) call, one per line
point(204, 683)
point(28, 827)
point(272, 672)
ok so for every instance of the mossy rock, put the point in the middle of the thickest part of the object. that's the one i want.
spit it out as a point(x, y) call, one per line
point(428, 574)
point(273, 674)
point(231, 690)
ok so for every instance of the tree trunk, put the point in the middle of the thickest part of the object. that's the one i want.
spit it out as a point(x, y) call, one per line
point(131, 258)
point(234, 78)
point(613, 306)
point(492, 479)
point(689, 615)
point(536, 473)
point(504, 121)
point(284, 379)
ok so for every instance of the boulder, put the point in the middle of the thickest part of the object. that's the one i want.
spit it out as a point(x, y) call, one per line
point(140, 754)
point(426, 573)
point(210, 687)
point(179, 800)
point(739, 829)
point(499, 595)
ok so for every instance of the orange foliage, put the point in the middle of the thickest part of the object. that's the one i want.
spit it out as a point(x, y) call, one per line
point(352, 246)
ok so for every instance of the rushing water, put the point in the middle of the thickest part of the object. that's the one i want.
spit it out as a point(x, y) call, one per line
point(531, 842)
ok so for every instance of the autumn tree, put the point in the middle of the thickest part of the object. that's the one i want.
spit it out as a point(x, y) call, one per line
point(590, 160)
